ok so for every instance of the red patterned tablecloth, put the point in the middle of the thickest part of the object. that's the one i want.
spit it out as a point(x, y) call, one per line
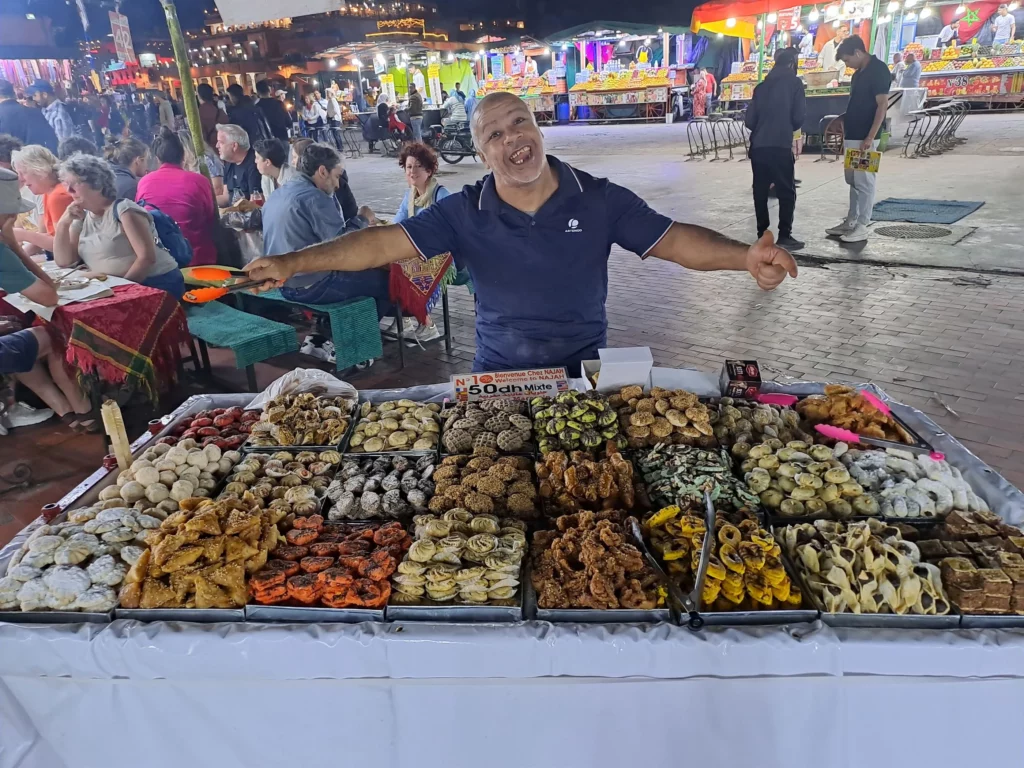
point(129, 339)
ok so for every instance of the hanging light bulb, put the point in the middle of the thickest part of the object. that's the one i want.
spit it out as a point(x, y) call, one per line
point(772, 18)
point(730, 23)
point(893, 7)
point(926, 12)
point(909, 3)
point(835, 24)
point(720, 35)
point(911, 16)
point(960, 9)
point(813, 15)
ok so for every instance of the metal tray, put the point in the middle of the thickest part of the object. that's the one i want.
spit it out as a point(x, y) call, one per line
point(200, 615)
point(980, 621)
point(588, 615)
point(312, 615)
point(56, 617)
point(498, 614)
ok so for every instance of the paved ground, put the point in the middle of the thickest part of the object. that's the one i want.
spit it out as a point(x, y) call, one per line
point(928, 336)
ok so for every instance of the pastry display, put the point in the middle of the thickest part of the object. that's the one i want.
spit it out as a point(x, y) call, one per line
point(396, 425)
point(864, 567)
point(227, 428)
point(748, 423)
point(499, 424)
point(461, 557)
point(745, 572)
point(911, 485)
point(76, 565)
point(382, 486)
point(289, 483)
point(200, 555)
point(672, 416)
point(164, 475)
point(679, 475)
point(485, 484)
point(844, 407)
point(589, 561)
point(575, 421)
point(981, 559)
point(334, 565)
point(802, 480)
point(575, 481)
point(302, 419)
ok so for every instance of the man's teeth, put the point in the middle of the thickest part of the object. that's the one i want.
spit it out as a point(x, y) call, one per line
point(520, 156)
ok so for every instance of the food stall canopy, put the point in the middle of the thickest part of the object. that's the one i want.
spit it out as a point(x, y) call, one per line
point(715, 16)
point(610, 29)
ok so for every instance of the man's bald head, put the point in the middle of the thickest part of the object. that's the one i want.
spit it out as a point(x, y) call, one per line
point(491, 101)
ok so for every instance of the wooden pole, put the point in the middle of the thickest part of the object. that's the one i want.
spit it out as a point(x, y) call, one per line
point(188, 90)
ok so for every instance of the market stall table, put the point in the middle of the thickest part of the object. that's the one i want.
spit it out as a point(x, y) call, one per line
point(127, 340)
point(443, 694)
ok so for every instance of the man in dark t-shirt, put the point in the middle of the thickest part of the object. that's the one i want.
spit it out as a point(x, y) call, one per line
point(869, 100)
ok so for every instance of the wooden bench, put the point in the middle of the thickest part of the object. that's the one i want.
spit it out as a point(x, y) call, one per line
point(252, 338)
point(354, 327)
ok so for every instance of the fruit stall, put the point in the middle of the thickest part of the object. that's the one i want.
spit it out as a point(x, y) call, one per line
point(632, 94)
point(655, 543)
point(976, 73)
point(540, 92)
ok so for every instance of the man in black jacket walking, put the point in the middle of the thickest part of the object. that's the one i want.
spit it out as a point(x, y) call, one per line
point(244, 112)
point(27, 124)
point(273, 110)
point(775, 117)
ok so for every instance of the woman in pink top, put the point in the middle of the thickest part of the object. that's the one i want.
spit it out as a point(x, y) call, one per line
point(185, 196)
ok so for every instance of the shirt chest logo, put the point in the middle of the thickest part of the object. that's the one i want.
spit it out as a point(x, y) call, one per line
point(574, 227)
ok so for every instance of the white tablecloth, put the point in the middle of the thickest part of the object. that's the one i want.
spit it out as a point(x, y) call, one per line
point(158, 695)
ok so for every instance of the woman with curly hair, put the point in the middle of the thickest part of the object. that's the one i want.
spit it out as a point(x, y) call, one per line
point(420, 165)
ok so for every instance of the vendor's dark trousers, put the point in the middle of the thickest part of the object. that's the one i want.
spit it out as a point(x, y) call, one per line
point(774, 165)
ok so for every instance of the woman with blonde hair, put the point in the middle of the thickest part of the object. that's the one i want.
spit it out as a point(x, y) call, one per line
point(37, 168)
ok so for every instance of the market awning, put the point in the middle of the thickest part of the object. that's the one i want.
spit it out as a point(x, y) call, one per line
point(601, 28)
point(237, 12)
point(733, 17)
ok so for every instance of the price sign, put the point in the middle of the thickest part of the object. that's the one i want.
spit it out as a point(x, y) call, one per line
point(519, 385)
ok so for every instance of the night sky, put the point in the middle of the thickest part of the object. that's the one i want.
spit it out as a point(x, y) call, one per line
point(542, 16)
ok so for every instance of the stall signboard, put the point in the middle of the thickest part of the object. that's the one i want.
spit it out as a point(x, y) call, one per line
point(498, 66)
point(387, 85)
point(789, 18)
point(434, 81)
point(1005, 84)
point(122, 34)
point(520, 385)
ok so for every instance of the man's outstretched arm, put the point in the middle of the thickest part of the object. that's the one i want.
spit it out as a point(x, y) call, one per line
point(353, 252)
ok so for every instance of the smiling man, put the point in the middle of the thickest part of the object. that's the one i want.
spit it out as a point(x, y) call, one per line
point(535, 235)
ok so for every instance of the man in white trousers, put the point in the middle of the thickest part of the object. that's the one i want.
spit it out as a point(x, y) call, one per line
point(869, 100)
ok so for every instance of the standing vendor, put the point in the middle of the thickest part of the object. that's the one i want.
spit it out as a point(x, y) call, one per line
point(535, 236)
point(828, 58)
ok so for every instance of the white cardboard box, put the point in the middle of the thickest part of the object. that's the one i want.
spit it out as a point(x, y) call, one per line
point(622, 366)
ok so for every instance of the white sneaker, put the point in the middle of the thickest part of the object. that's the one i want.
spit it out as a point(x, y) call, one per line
point(386, 324)
point(328, 349)
point(409, 326)
point(841, 228)
point(424, 333)
point(858, 234)
point(22, 415)
point(308, 347)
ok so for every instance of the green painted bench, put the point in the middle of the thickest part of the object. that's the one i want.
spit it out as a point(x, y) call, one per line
point(252, 338)
point(354, 327)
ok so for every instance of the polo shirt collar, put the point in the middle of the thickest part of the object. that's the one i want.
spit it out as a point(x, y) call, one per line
point(569, 185)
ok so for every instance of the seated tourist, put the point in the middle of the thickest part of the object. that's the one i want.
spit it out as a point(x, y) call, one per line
point(28, 355)
point(344, 196)
point(37, 168)
point(129, 160)
point(272, 163)
point(73, 144)
point(305, 212)
point(116, 240)
point(241, 177)
point(183, 195)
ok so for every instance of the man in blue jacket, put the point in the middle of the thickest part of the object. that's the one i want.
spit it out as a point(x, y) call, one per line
point(774, 118)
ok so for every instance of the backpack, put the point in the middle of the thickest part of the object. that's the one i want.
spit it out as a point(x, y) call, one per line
point(168, 234)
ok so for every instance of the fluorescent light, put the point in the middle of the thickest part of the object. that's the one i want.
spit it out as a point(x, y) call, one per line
point(30, 16)
point(772, 18)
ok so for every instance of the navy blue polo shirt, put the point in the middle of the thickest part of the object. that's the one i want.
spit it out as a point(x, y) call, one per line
point(541, 281)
